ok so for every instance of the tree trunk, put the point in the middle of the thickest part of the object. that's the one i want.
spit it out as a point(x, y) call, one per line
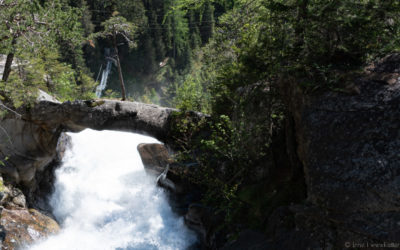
point(9, 60)
point(121, 79)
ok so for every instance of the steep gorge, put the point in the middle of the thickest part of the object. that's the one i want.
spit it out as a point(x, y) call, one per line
point(346, 142)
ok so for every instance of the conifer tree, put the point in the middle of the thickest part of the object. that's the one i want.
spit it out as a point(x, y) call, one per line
point(114, 28)
point(17, 20)
point(32, 33)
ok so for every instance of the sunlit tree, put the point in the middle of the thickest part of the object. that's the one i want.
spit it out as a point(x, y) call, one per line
point(114, 28)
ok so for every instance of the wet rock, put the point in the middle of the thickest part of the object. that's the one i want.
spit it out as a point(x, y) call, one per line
point(63, 143)
point(21, 227)
point(171, 175)
point(155, 157)
point(166, 183)
point(156, 161)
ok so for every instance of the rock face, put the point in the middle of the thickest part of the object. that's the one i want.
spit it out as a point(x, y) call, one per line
point(21, 227)
point(349, 145)
point(25, 149)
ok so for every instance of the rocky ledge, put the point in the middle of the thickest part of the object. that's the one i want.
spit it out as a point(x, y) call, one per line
point(20, 226)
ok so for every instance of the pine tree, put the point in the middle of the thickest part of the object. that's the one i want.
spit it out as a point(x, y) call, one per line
point(18, 20)
point(32, 34)
point(114, 28)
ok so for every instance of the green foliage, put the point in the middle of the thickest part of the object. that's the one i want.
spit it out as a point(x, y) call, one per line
point(18, 92)
point(167, 36)
point(186, 131)
point(226, 154)
point(133, 11)
point(150, 96)
point(230, 156)
point(2, 186)
point(109, 94)
point(117, 26)
point(316, 40)
point(191, 96)
point(257, 47)
point(47, 51)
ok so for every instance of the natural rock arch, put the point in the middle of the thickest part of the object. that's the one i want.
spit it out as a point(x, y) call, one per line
point(34, 140)
point(147, 119)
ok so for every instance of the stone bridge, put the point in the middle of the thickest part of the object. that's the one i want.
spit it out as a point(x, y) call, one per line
point(32, 141)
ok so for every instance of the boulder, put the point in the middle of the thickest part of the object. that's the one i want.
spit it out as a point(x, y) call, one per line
point(170, 175)
point(156, 160)
point(155, 157)
point(21, 227)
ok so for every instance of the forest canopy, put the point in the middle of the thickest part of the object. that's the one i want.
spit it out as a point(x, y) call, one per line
point(190, 54)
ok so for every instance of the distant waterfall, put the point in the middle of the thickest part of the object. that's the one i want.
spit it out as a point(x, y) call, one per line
point(104, 77)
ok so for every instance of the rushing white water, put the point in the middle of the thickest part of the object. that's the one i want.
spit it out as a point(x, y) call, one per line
point(104, 199)
point(104, 78)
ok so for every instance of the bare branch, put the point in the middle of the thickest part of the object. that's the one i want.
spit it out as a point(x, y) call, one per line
point(12, 111)
point(126, 38)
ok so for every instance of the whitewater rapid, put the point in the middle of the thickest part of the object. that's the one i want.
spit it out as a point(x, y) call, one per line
point(104, 199)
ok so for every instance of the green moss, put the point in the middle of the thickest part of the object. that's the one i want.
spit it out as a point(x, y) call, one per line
point(94, 103)
point(2, 187)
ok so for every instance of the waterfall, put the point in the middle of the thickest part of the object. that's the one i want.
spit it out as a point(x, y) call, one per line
point(103, 199)
point(104, 77)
